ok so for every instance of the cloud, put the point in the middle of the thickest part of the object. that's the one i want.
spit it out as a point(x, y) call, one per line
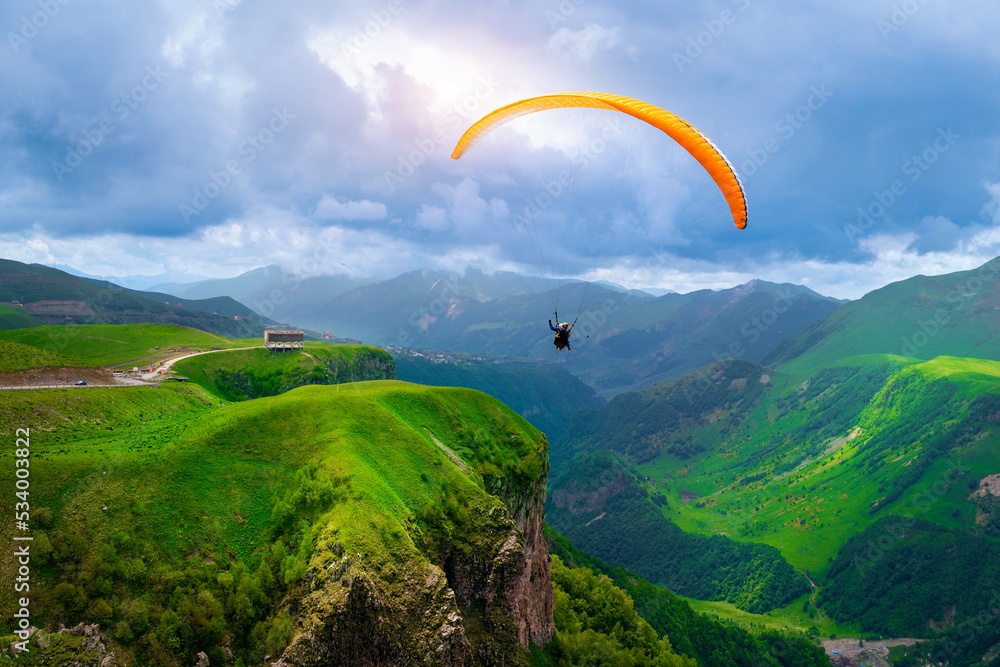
point(585, 43)
point(432, 218)
point(992, 207)
point(329, 208)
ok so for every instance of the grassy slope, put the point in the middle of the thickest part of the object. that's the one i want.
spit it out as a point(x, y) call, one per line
point(810, 511)
point(17, 357)
point(271, 373)
point(180, 474)
point(923, 317)
point(12, 317)
point(172, 451)
point(543, 393)
point(116, 344)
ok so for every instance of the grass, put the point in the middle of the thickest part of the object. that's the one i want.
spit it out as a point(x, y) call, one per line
point(255, 372)
point(118, 344)
point(810, 510)
point(180, 473)
point(789, 618)
point(19, 357)
point(12, 317)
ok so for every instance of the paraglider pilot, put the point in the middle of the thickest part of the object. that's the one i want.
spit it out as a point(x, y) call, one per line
point(562, 335)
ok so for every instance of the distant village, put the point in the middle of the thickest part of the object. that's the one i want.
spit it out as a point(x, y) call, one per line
point(456, 359)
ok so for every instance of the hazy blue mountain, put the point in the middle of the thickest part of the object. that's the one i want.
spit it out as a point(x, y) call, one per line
point(620, 342)
point(270, 291)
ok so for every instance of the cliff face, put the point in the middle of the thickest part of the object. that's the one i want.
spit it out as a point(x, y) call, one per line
point(474, 596)
point(529, 595)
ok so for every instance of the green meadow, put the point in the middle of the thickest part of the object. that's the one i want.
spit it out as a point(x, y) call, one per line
point(119, 344)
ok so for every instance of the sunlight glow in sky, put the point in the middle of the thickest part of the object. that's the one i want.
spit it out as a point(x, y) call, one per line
point(202, 139)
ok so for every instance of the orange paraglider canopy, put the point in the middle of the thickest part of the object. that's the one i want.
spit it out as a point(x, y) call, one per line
point(685, 134)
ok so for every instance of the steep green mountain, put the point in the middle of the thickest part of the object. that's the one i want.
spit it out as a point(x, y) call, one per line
point(809, 463)
point(239, 375)
point(905, 576)
point(602, 508)
point(922, 317)
point(861, 474)
point(543, 393)
point(368, 523)
point(56, 297)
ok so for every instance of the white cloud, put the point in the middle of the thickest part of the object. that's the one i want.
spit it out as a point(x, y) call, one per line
point(585, 43)
point(432, 218)
point(330, 208)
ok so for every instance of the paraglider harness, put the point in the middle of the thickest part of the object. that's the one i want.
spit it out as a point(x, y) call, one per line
point(562, 334)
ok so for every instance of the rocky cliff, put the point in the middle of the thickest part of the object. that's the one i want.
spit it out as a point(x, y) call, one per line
point(473, 591)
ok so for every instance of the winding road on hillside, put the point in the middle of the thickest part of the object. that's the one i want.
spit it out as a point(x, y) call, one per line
point(145, 380)
point(166, 365)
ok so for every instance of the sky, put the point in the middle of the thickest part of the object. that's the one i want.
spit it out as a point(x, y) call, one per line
point(205, 138)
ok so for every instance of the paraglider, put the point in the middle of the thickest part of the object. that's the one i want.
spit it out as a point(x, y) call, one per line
point(689, 138)
point(563, 332)
point(678, 129)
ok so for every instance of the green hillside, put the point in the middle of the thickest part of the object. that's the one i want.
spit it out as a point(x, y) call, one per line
point(180, 526)
point(601, 507)
point(922, 317)
point(56, 297)
point(118, 344)
point(18, 357)
point(543, 393)
point(13, 317)
point(239, 375)
point(831, 469)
